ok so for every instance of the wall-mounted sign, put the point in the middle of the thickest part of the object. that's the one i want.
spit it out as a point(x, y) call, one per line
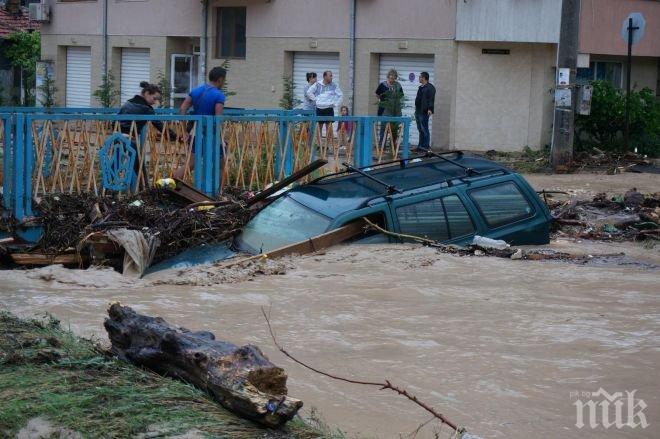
point(563, 97)
point(495, 51)
point(584, 100)
point(564, 76)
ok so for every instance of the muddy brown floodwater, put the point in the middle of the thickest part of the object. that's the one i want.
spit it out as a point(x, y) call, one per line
point(499, 346)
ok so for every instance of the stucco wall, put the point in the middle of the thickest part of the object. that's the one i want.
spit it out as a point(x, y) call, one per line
point(411, 19)
point(601, 21)
point(144, 18)
point(80, 18)
point(291, 18)
point(503, 102)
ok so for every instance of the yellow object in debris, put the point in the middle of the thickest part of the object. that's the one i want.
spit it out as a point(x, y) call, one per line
point(209, 207)
point(166, 183)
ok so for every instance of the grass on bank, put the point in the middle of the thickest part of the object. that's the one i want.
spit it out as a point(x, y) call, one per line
point(50, 373)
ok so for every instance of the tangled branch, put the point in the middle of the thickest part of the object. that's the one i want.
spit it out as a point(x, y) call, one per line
point(383, 385)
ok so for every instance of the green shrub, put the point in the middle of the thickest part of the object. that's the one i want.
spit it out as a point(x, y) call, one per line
point(605, 126)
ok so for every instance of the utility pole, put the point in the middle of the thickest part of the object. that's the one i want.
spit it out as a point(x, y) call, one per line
point(561, 153)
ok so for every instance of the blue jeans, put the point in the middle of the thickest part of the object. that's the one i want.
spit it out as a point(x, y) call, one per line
point(423, 128)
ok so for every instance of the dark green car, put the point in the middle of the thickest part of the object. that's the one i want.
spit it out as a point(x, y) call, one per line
point(449, 198)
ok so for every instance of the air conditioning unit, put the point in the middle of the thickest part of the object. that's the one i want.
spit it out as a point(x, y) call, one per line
point(39, 12)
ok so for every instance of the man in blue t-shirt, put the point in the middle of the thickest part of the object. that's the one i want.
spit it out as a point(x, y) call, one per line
point(206, 100)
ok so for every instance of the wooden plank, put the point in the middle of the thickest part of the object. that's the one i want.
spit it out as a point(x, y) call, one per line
point(42, 259)
point(189, 193)
point(316, 164)
point(310, 245)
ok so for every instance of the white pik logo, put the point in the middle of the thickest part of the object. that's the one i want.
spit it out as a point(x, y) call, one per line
point(611, 405)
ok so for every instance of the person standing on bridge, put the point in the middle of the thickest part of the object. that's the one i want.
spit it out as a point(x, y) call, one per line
point(390, 100)
point(326, 96)
point(205, 100)
point(141, 104)
point(424, 110)
point(308, 103)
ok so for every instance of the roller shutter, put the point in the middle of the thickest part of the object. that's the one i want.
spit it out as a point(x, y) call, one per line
point(135, 68)
point(78, 76)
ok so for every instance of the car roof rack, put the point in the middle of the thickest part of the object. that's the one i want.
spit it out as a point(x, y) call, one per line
point(391, 189)
point(468, 171)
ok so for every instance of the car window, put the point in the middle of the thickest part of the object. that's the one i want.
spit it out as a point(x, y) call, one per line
point(283, 222)
point(460, 222)
point(501, 204)
point(425, 219)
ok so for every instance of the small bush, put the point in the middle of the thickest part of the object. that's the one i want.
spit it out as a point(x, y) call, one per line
point(605, 126)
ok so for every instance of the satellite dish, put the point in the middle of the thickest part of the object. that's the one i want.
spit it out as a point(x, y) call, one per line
point(639, 22)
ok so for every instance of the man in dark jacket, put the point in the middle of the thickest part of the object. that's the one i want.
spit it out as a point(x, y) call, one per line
point(424, 109)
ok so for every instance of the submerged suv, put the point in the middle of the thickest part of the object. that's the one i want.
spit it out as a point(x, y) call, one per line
point(447, 197)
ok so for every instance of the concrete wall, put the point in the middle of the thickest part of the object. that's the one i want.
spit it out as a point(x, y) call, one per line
point(503, 102)
point(601, 21)
point(534, 21)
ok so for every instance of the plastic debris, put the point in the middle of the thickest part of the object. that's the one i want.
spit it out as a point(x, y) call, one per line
point(484, 242)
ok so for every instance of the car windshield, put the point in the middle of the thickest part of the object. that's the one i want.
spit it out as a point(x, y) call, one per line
point(283, 222)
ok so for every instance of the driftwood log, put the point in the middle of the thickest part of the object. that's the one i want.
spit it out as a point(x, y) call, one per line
point(242, 379)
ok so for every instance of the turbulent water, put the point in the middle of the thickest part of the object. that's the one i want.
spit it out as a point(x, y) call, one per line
point(496, 345)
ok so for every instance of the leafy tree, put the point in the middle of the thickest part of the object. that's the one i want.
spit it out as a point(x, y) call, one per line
point(23, 51)
point(107, 92)
point(166, 90)
point(48, 90)
point(605, 126)
point(288, 100)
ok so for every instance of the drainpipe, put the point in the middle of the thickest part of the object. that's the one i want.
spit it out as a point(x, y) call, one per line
point(351, 59)
point(104, 41)
point(203, 49)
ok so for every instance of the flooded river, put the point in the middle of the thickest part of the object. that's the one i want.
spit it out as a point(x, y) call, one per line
point(496, 345)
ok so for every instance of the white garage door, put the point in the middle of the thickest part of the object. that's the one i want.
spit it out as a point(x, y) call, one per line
point(409, 67)
point(304, 62)
point(135, 68)
point(78, 76)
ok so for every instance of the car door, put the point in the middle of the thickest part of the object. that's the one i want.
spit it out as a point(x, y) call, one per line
point(440, 216)
point(508, 212)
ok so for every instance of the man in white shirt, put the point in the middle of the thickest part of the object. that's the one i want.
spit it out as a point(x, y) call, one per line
point(326, 95)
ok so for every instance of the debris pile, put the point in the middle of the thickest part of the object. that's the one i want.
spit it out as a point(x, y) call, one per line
point(632, 216)
point(77, 228)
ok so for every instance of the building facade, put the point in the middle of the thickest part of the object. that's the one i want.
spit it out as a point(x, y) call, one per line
point(492, 61)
